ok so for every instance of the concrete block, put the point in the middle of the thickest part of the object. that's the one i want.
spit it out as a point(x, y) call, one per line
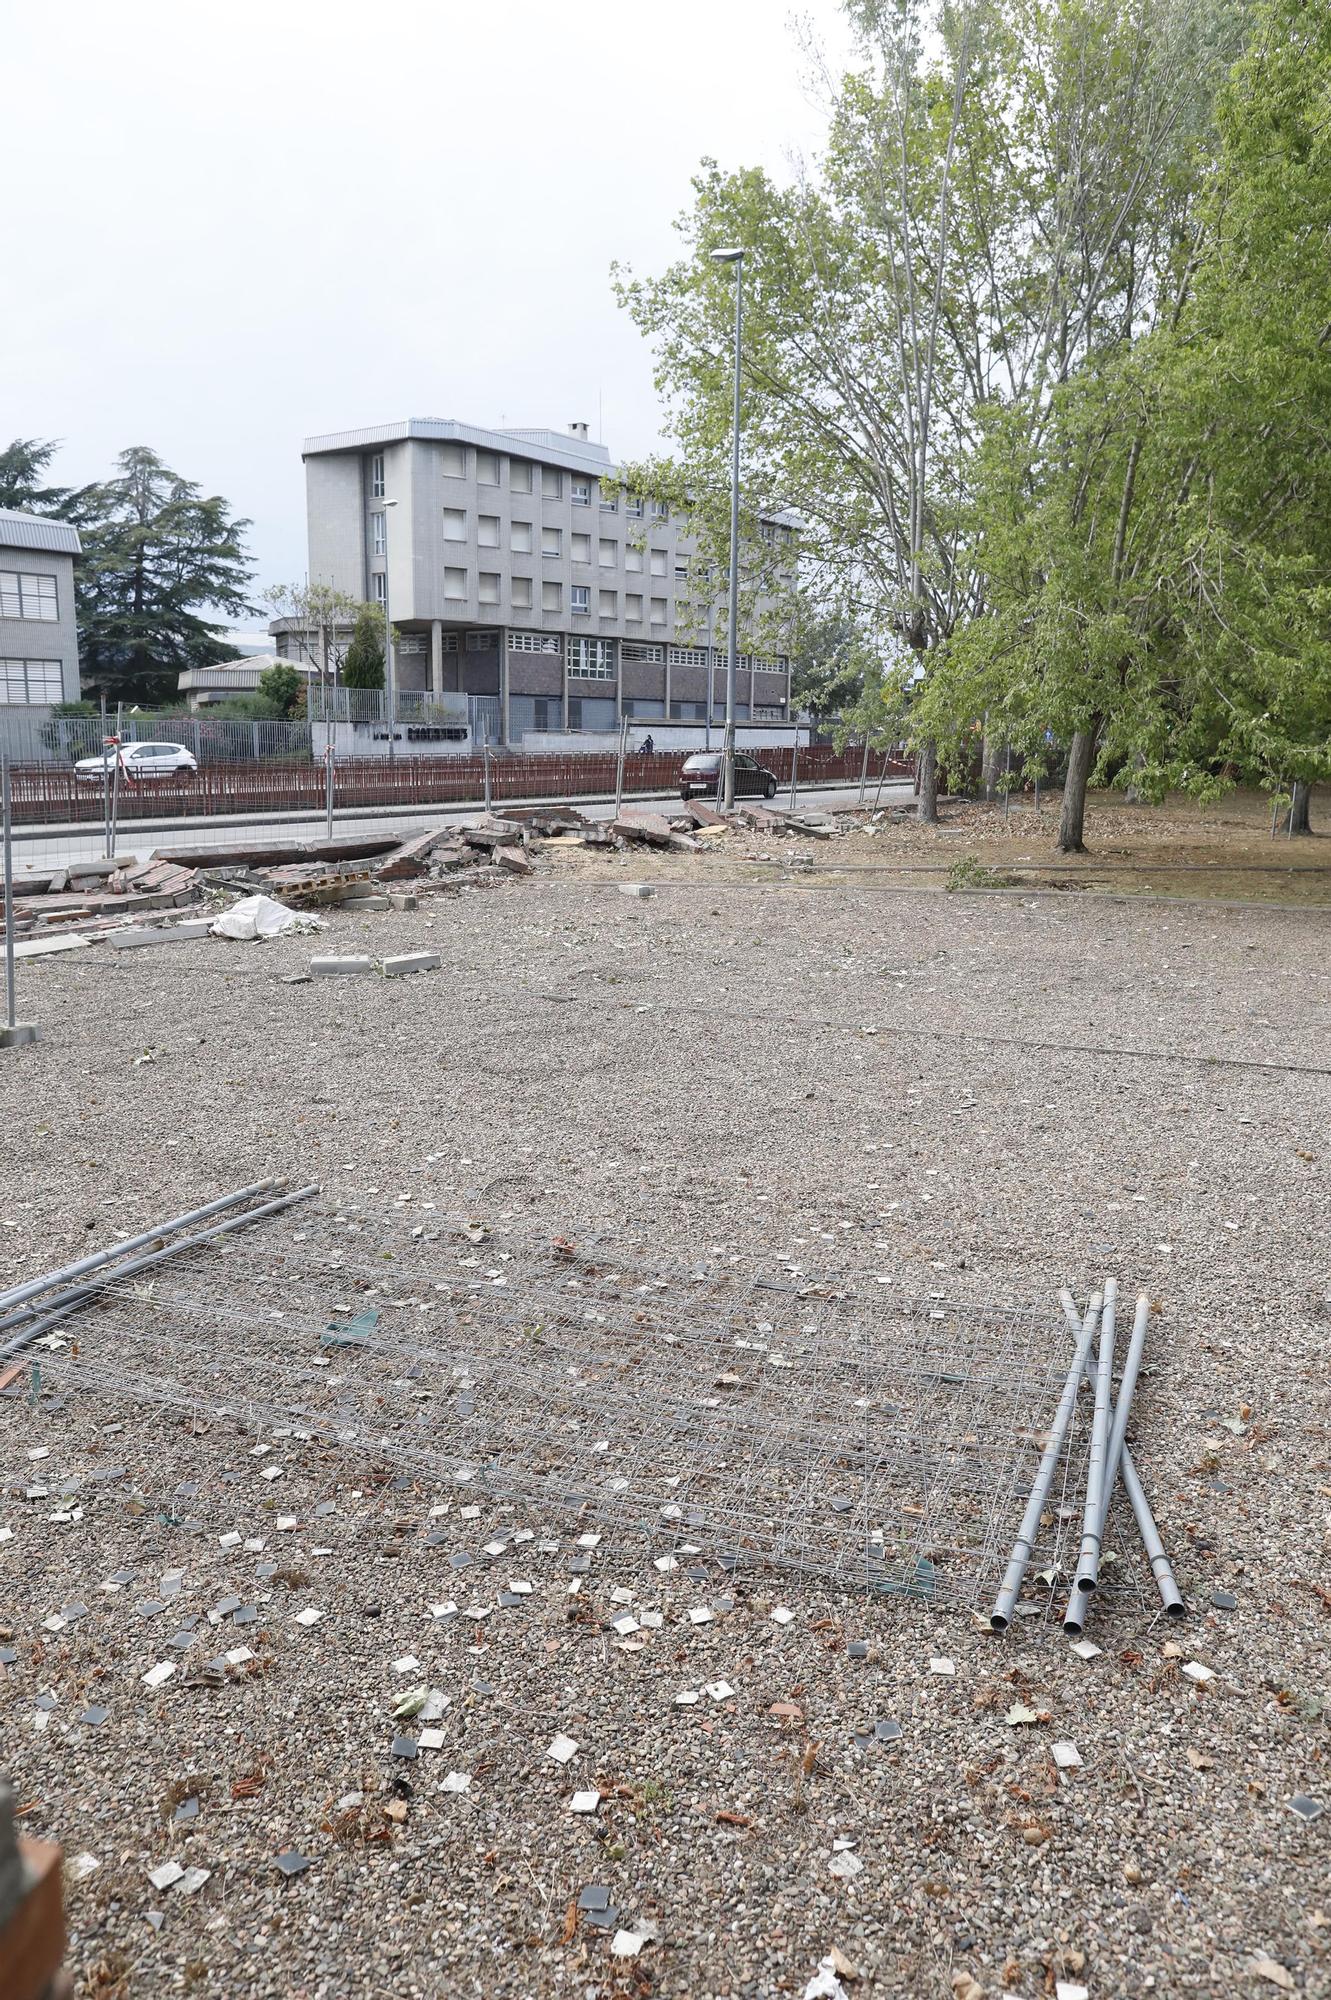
point(402, 899)
point(145, 934)
point(331, 968)
point(38, 947)
point(412, 961)
point(370, 899)
point(21, 1033)
point(640, 890)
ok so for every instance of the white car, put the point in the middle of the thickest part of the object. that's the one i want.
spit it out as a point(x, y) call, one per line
point(137, 760)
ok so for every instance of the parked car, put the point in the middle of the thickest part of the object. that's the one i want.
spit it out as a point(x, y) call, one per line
point(137, 761)
point(701, 777)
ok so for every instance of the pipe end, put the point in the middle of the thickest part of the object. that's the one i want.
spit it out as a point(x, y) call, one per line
point(997, 1622)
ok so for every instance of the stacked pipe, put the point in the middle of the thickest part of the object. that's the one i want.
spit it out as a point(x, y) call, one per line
point(1108, 1461)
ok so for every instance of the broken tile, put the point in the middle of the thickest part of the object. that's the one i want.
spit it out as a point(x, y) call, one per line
point(93, 1717)
point(431, 1739)
point(584, 1802)
point(1305, 1808)
point(408, 1664)
point(82, 1865)
point(192, 1879)
point(309, 1616)
point(1085, 1649)
point(947, 1667)
point(1195, 1671)
point(291, 1861)
point(163, 1877)
point(457, 1781)
point(159, 1675)
point(562, 1749)
point(404, 1747)
point(1065, 1754)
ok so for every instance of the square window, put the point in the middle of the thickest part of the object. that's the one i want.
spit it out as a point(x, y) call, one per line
point(487, 530)
point(658, 562)
point(581, 548)
point(377, 476)
point(454, 459)
point(519, 537)
point(580, 492)
point(609, 553)
point(681, 572)
point(455, 524)
point(633, 607)
point(660, 511)
point(489, 590)
point(609, 604)
point(552, 541)
point(633, 506)
point(519, 475)
point(609, 500)
point(580, 599)
point(552, 483)
point(552, 596)
point(520, 590)
point(455, 583)
point(633, 558)
point(658, 611)
point(487, 468)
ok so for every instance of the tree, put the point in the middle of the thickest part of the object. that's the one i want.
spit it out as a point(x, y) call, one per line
point(323, 620)
point(22, 470)
point(363, 666)
point(283, 687)
point(156, 555)
point(827, 664)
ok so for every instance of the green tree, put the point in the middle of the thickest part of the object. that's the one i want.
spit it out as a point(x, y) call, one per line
point(324, 619)
point(828, 664)
point(157, 554)
point(23, 466)
point(283, 687)
point(363, 666)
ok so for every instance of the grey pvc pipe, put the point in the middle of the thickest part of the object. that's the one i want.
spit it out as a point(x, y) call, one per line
point(1005, 1603)
point(64, 1303)
point(1161, 1568)
point(18, 1293)
point(1093, 1511)
point(1074, 1618)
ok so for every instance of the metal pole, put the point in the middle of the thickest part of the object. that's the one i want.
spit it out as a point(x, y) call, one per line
point(106, 786)
point(486, 755)
point(115, 782)
point(11, 1020)
point(1088, 1561)
point(1007, 783)
point(1005, 1603)
point(1074, 1618)
point(64, 1303)
point(795, 769)
point(29, 1289)
point(1161, 1567)
point(619, 764)
point(864, 766)
point(732, 650)
point(390, 676)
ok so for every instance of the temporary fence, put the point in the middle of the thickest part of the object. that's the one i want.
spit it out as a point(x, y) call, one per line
point(47, 794)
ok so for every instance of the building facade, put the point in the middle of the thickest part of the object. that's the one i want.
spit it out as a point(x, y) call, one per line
point(39, 644)
point(520, 575)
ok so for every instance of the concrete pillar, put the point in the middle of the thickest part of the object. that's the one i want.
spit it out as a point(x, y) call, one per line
point(503, 683)
point(436, 657)
point(665, 650)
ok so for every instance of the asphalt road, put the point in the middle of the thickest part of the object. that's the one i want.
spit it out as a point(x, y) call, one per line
point(53, 845)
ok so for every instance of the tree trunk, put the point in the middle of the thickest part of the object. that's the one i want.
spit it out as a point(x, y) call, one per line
point(989, 765)
point(927, 810)
point(1296, 819)
point(1072, 819)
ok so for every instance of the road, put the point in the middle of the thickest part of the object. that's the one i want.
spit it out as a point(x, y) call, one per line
point(46, 846)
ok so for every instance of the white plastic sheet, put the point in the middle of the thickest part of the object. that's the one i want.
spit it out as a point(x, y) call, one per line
point(262, 917)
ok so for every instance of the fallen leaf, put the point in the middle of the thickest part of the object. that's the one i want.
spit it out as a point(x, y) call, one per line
point(570, 1923)
point(732, 1819)
point(1017, 1715)
point(965, 1988)
point(1263, 1967)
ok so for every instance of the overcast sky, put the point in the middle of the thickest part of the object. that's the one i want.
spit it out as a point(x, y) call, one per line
point(246, 225)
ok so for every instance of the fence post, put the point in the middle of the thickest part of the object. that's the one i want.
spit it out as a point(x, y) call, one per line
point(14, 1032)
point(486, 755)
point(795, 768)
point(328, 779)
point(619, 765)
point(864, 766)
point(115, 781)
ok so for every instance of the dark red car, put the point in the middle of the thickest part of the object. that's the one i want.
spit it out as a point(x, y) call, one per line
point(701, 777)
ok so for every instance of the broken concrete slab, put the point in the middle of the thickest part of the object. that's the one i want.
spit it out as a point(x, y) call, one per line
point(412, 857)
point(40, 947)
point(513, 861)
point(147, 934)
point(648, 827)
point(640, 891)
point(410, 961)
point(334, 968)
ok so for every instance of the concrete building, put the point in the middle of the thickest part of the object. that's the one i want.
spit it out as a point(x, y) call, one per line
point(39, 642)
point(203, 687)
point(521, 577)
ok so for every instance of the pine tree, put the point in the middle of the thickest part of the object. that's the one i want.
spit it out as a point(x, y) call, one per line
point(363, 666)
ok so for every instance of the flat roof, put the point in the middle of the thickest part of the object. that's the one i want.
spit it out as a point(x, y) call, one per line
point(552, 447)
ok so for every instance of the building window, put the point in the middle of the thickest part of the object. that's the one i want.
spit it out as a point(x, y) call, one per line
point(520, 593)
point(378, 537)
point(785, 536)
point(377, 476)
point(411, 642)
point(580, 547)
point(609, 500)
point(580, 600)
point(580, 492)
point(660, 511)
point(552, 541)
point(481, 642)
point(688, 711)
point(534, 642)
point(489, 586)
point(633, 606)
point(769, 714)
point(379, 585)
point(519, 537)
point(609, 604)
point(487, 468)
point(26, 682)
point(23, 595)
point(633, 506)
point(552, 596)
point(449, 642)
point(608, 553)
point(455, 524)
point(552, 483)
point(637, 649)
point(487, 530)
point(591, 659)
point(688, 656)
point(767, 531)
point(645, 711)
point(658, 562)
point(519, 475)
point(681, 572)
point(633, 559)
point(658, 611)
point(454, 458)
point(455, 583)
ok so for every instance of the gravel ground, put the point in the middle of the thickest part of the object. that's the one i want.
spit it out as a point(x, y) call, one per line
point(986, 1097)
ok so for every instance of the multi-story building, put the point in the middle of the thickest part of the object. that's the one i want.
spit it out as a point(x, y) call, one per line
point(521, 575)
point(39, 642)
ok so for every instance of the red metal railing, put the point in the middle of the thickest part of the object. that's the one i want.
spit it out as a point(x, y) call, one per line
point(46, 793)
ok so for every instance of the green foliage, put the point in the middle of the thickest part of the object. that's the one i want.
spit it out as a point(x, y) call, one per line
point(246, 708)
point(23, 467)
point(968, 873)
point(283, 688)
point(363, 666)
point(324, 619)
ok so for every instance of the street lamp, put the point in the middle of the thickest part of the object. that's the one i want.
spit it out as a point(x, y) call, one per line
point(735, 257)
point(390, 678)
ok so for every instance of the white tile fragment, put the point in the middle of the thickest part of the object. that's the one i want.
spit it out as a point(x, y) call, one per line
point(626, 1944)
point(431, 1739)
point(719, 1690)
point(562, 1749)
point(408, 1664)
point(82, 1865)
point(163, 1877)
point(780, 1615)
point(948, 1667)
point(157, 1676)
point(1085, 1649)
point(309, 1616)
point(584, 1802)
point(1066, 1755)
point(457, 1781)
point(272, 1471)
point(1195, 1671)
point(700, 1615)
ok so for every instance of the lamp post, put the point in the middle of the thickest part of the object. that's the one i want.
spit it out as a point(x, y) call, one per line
point(735, 257)
point(390, 677)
